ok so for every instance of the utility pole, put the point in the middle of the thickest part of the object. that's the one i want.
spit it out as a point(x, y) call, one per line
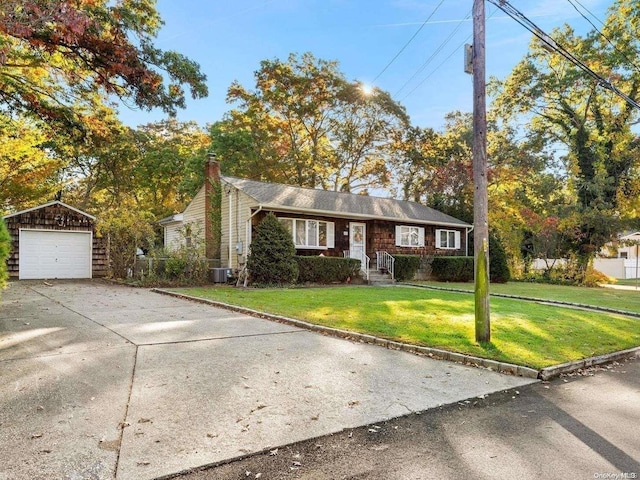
point(480, 201)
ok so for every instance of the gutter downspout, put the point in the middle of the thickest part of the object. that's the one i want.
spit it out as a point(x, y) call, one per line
point(229, 263)
point(248, 230)
point(466, 246)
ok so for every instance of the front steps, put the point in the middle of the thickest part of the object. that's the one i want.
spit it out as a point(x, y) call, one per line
point(378, 277)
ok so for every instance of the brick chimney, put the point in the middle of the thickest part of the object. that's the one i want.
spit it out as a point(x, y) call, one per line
point(211, 204)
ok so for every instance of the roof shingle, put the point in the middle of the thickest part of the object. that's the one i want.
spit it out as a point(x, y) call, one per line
point(309, 200)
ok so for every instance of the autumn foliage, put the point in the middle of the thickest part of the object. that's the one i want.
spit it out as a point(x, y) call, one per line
point(57, 58)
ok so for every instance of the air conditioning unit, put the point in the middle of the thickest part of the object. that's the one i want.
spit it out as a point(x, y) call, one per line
point(221, 275)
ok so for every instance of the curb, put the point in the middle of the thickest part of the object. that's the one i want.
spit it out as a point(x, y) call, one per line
point(557, 370)
point(544, 374)
point(532, 299)
point(501, 367)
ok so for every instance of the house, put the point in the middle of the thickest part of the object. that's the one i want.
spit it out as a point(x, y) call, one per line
point(626, 246)
point(321, 222)
point(54, 240)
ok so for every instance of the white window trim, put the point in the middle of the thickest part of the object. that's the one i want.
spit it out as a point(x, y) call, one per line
point(420, 231)
point(456, 245)
point(330, 233)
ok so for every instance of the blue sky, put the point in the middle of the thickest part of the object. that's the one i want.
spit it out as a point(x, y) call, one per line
point(229, 39)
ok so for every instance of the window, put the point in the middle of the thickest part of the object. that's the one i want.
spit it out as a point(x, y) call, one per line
point(408, 236)
point(448, 239)
point(310, 233)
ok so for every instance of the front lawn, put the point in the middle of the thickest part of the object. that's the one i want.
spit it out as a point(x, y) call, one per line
point(525, 333)
point(627, 300)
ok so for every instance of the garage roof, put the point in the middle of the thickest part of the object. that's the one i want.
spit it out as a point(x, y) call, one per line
point(56, 202)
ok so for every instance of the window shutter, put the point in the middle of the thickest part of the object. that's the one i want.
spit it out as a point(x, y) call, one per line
point(457, 240)
point(398, 236)
point(421, 236)
point(438, 236)
point(331, 243)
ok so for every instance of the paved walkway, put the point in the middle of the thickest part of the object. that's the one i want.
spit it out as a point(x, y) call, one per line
point(101, 381)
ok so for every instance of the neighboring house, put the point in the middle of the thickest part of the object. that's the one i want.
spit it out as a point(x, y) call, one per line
point(626, 246)
point(321, 222)
point(55, 240)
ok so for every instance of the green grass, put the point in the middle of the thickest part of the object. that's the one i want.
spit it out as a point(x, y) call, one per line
point(525, 333)
point(630, 282)
point(627, 300)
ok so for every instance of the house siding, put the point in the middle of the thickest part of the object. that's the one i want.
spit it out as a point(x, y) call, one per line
point(195, 211)
point(56, 217)
point(381, 236)
point(234, 225)
point(172, 237)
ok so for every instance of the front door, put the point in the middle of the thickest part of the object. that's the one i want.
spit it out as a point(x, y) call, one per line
point(358, 241)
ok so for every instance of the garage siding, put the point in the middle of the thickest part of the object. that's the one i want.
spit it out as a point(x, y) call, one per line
point(56, 216)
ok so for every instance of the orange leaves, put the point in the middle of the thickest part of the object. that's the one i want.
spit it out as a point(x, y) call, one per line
point(84, 48)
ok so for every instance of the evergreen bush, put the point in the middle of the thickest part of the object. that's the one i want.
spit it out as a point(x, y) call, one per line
point(498, 265)
point(317, 269)
point(405, 267)
point(452, 269)
point(271, 261)
point(5, 249)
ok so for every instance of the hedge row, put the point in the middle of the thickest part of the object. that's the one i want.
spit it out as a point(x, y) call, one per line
point(405, 267)
point(452, 269)
point(317, 269)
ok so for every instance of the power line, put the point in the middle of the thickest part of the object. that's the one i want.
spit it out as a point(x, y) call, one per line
point(454, 51)
point(629, 61)
point(410, 40)
point(434, 54)
point(519, 17)
point(590, 12)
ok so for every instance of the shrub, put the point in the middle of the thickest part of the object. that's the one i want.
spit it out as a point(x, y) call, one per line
point(5, 249)
point(405, 267)
point(498, 265)
point(126, 230)
point(271, 260)
point(452, 269)
point(175, 267)
point(316, 269)
point(595, 278)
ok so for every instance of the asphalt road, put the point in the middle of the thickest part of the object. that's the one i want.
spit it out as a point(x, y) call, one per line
point(582, 426)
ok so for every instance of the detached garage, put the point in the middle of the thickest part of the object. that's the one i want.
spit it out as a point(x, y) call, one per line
point(54, 240)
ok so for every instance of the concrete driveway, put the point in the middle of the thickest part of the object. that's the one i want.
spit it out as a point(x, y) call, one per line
point(99, 381)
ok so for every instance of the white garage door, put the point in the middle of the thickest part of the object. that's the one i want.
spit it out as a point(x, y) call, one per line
point(55, 254)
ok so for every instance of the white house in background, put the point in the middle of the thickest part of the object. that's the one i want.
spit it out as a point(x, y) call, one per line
point(626, 246)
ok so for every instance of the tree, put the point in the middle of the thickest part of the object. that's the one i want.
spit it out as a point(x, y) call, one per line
point(437, 171)
point(28, 168)
point(305, 124)
point(126, 229)
point(170, 170)
point(58, 58)
point(5, 250)
point(271, 260)
point(568, 107)
point(100, 169)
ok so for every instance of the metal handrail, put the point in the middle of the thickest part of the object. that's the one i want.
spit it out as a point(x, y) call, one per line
point(386, 261)
point(364, 261)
